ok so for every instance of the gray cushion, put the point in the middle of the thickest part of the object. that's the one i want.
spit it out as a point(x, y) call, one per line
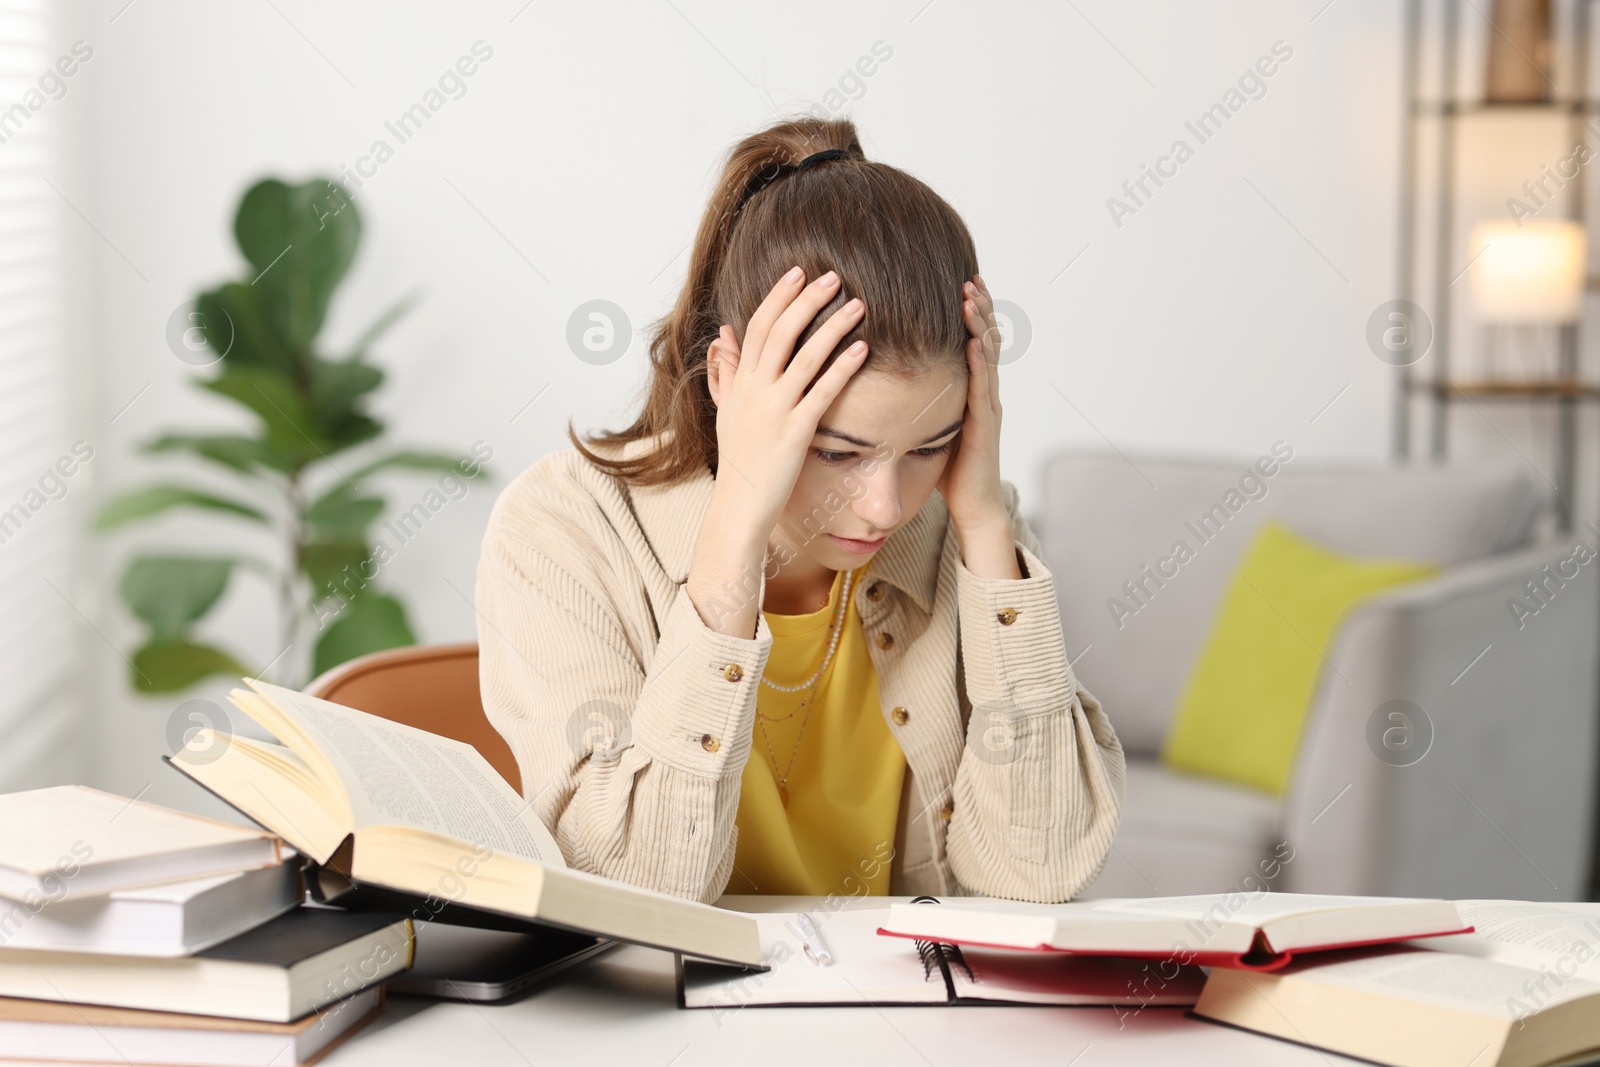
point(1104, 518)
point(1183, 833)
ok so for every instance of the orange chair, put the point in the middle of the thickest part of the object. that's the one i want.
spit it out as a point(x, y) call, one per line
point(431, 687)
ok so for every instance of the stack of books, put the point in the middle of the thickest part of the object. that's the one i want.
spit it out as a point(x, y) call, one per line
point(134, 933)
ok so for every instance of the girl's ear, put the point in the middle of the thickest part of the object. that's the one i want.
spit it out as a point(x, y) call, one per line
point(722, 359)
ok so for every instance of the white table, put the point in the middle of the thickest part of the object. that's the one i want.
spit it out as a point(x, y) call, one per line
point(621, 1008)
point(621, 1011)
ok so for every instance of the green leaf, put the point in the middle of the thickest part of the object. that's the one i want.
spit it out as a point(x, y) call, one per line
point(239, 328)
point(244, 454)
point(379, 328)
point(169, 666)
point(346, 489)
point(417, 461)
point(352, 432)
point(300, 239)
point(344, 518)
point(337, 567)
point(155, 499)
point(335, 390)
point(368, 624)
point(290, 427)
point(171, 592)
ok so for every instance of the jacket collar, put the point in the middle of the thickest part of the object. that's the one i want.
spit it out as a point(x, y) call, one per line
point(670, 516)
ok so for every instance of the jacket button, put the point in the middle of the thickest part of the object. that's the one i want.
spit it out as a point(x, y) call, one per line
point(733, 672)
point(900, 716)
point(948, 810)
point(875, 592)
point(1007, 616)
point(709, 743)
point(886, 640)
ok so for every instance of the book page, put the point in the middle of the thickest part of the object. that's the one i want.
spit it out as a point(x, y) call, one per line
point(1463, 983)
point(1072, 912)
point(1562, 938)
point(1247, 908)
point(255, 778)
point(397, 775)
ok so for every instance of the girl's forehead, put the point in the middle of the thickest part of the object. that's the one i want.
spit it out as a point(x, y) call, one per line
point(876, 408)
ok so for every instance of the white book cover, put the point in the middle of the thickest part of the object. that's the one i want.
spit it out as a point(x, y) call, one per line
point(69, 841)
point(176, 918)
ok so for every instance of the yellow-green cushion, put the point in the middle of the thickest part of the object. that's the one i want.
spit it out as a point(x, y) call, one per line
point(1247, 697)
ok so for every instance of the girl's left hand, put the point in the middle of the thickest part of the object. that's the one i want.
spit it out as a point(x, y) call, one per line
point(970, 483)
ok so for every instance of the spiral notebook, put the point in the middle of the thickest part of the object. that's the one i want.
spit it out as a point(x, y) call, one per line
point(866, 968)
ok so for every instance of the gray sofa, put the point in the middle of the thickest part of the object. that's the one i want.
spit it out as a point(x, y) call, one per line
point(1500, 802)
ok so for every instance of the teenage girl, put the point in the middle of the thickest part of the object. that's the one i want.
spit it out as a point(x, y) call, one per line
point(788, 632)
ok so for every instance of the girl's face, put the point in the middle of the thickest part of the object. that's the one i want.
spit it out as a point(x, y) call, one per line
point(877, 456)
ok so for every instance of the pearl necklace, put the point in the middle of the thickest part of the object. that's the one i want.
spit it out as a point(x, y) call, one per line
point(833, 643)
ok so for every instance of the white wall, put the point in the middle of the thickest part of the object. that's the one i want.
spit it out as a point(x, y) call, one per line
point(1226, 313)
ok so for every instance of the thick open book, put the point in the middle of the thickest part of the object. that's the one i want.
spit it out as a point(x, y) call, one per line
point(867, 970)
point(390, 806)
point(1255, 931)
point(1522, 990)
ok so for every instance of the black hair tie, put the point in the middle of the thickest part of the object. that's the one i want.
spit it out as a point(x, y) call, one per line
point(818, 157)
point(773, 171)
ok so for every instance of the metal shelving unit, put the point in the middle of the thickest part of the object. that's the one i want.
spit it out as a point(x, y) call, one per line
point(1441, 392)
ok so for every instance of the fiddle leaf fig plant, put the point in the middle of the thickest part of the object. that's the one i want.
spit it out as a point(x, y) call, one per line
point(289, 476)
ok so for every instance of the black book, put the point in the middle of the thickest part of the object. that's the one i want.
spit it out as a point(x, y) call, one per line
point(286, 968)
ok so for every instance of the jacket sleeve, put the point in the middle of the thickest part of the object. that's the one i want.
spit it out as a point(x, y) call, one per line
point(631, 755)
point(1039, 789)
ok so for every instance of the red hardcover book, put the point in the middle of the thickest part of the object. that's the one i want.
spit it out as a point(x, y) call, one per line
point(1259, 931)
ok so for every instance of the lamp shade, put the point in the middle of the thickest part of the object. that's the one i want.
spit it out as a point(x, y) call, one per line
point(1533, 272)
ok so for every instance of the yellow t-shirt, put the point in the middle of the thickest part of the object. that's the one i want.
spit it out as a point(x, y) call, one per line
point(837, 833)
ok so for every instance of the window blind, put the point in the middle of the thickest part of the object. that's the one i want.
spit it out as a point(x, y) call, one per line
point(40, 522)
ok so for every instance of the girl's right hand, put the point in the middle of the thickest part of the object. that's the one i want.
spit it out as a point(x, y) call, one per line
point(766, 417)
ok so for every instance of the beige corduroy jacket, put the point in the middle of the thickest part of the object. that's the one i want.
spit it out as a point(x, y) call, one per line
point(631, 719)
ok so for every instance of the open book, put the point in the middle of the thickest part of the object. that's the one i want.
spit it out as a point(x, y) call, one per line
point(1522, 990)
point(387, 805)
point(864, 969)
point(1259, 931)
